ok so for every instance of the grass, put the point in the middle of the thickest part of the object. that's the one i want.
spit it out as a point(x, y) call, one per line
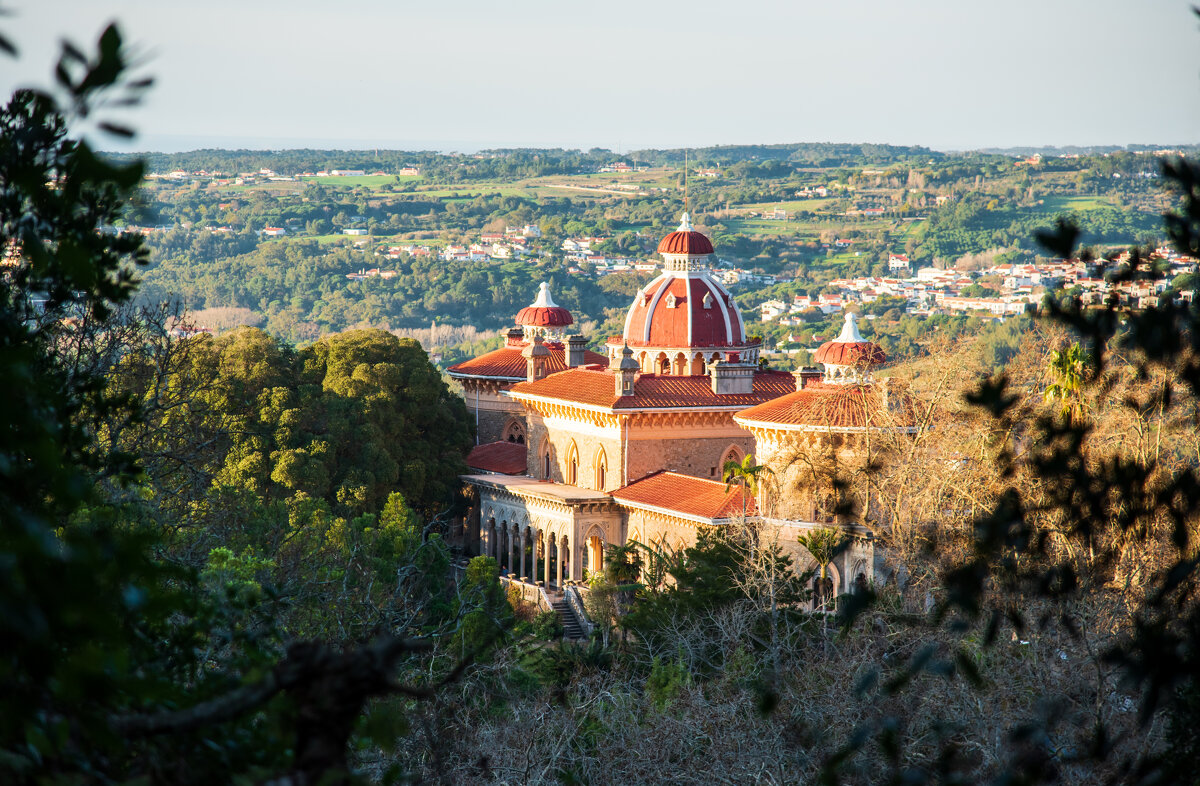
point(377, 181)
point(810, 205)
point(1059, 204)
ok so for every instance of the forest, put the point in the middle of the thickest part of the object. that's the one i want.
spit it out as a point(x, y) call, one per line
point(232, 558)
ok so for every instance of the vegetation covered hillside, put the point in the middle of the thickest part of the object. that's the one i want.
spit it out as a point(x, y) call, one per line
point(229, 558)
point(377, 249)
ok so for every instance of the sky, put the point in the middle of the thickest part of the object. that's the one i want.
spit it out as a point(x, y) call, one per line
point(628, 74)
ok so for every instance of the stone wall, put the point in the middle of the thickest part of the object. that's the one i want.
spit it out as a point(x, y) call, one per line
point(559, 437)
point(698, 448)
point(700, 455)
point(492, 412)
point(804, 468)
point(857, 557)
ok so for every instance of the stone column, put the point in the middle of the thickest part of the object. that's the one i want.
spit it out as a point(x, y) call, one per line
point(483, 540)
point(533, 556)
point(546, 559)
point(510, 550)
point(522, 574)
point(558, 555)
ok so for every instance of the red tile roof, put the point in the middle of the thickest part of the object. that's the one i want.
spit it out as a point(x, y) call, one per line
point(509, 363)
point(821, 405)
point(504, 458)
point(652, 391)
point(686, 495)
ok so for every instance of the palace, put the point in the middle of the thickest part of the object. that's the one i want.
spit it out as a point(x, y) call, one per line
point(578, 449)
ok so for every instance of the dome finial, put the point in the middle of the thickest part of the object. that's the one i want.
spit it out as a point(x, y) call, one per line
point(685, 223)
point(850, 334)
point(543, 297)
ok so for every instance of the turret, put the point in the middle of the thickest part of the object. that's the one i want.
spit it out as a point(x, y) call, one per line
point(685, 311)
point(626, 373)
point(537, 360)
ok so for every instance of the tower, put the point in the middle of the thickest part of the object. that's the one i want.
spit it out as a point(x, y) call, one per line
point(684, 319)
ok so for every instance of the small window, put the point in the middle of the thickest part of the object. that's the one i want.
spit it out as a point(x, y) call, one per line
point(671, 301)
point(707, 300)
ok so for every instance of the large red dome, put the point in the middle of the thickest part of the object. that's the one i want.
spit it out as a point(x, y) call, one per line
point(684, 311)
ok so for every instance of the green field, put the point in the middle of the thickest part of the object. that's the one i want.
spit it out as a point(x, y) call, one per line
point(1062, 204)
point(807, 205)
point(376, 181)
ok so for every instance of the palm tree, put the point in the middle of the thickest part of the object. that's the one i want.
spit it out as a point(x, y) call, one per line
point(823, 544)
point(1071, 369)
point(746, 473)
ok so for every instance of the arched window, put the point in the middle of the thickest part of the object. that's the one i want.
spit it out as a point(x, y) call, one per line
point(732, 453)
point(664, 364)
point(514, 431)
point(572, 473)
point(546, 459)
point(601, 470)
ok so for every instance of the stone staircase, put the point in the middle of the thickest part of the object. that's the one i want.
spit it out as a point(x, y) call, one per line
point(571, 628)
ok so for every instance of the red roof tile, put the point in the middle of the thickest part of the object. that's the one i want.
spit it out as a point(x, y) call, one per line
point(509, 363)
point(821, 405)
point(684, 494)
point(652, 391)
point(504, 458)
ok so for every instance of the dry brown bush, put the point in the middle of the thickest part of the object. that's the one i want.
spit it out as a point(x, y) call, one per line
point(226, 318)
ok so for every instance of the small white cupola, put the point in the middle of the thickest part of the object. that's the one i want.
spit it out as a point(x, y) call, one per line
point(543, 317)
point(849, 358)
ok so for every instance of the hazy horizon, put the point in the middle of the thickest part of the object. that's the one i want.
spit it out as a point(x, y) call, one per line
point(470, 75)
point(168, 144)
